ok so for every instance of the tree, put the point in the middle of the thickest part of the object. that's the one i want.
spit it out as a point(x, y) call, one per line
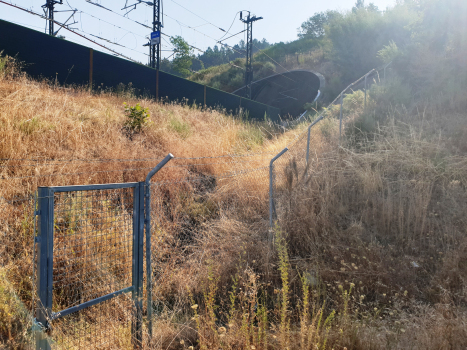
point(360, 4)
point(183, 56)
point(372, 8)
point(314, 26)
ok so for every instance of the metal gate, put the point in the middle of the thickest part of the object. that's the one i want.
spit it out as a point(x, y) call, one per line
point(90, 259)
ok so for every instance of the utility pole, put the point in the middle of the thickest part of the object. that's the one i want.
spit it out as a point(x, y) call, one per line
point(49, 9)
point(155, 39)
point(156, 35)
point(249, 51)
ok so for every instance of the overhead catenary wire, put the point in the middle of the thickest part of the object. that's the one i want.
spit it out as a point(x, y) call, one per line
point(198, 16)
point(232, 36)
point(228, 30)
point(118, 14)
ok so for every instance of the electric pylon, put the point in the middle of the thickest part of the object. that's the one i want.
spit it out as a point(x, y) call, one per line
point(156, 27)
point(49, 9)
point(249, 51)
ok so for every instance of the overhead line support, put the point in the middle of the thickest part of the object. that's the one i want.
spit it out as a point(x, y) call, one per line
point(49, 8)
point(156, 27)
point(249, 52)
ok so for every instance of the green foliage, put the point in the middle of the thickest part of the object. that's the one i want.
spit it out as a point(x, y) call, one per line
point(229, 77)
point(358, 37)
point(183, 56)
point(137, 118)
point(394, 92)
point(435, 58)
point(221, 55)
point(284, 266)
point(314, 26)
point(34, 125)
point(389, 53)
point(3, 61)
point(251, 137)
point(425, 40)
point(9, 67)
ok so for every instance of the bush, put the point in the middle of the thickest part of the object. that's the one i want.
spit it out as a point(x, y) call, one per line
point(137, 118)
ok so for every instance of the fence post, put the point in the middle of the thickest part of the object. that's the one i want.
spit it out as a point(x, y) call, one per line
point(91, 67)
point(308, 141)
point(44, 265)
point(157, 85)
point(147, 221)
point(138, 258)
point(204, 96)
point(272, 208)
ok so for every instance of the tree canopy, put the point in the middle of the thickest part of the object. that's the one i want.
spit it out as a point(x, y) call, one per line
point(183, 56)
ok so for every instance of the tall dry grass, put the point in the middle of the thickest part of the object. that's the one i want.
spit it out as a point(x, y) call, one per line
point(369, 253)
point(53, 135)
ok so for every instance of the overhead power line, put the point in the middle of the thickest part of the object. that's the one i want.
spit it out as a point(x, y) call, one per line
point(232, 36)
point(228, 31)
point(118, 14)
point(199, 16)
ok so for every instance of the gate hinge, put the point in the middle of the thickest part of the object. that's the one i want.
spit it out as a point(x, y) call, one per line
point(38, 327)
point(37, 212)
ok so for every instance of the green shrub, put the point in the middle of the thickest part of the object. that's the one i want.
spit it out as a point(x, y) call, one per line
point(137, 118)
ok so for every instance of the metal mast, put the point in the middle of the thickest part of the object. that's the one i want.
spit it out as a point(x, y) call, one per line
point(49, 9)
point(249, 51)
point(156, 27)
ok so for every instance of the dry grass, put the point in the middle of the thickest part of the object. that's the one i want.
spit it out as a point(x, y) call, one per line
point(371, 246)
point(61, 136)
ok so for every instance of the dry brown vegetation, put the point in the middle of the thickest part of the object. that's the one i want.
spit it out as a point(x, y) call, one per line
point(370, 246)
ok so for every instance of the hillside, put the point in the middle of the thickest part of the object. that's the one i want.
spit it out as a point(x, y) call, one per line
point(343, 46)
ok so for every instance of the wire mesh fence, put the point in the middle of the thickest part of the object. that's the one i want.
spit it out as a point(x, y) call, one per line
point(301, 160)
point(89, 255)
point(93, 241)
point(107, 325)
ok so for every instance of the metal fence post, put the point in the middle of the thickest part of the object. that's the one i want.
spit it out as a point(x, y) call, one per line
point(272, 208)
point(44, 265)
point(308, 141)
point(147, 221)
point(138, 258)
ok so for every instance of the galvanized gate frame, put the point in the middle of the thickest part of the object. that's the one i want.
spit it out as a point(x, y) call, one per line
point(45, 247)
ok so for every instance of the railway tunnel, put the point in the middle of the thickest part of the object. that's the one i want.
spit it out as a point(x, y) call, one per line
point(288, 91)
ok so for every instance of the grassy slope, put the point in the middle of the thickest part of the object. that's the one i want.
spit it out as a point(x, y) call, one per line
point(47, 131)
point(395, 195)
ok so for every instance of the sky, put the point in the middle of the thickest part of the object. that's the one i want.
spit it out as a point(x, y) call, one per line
point(199, 22)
